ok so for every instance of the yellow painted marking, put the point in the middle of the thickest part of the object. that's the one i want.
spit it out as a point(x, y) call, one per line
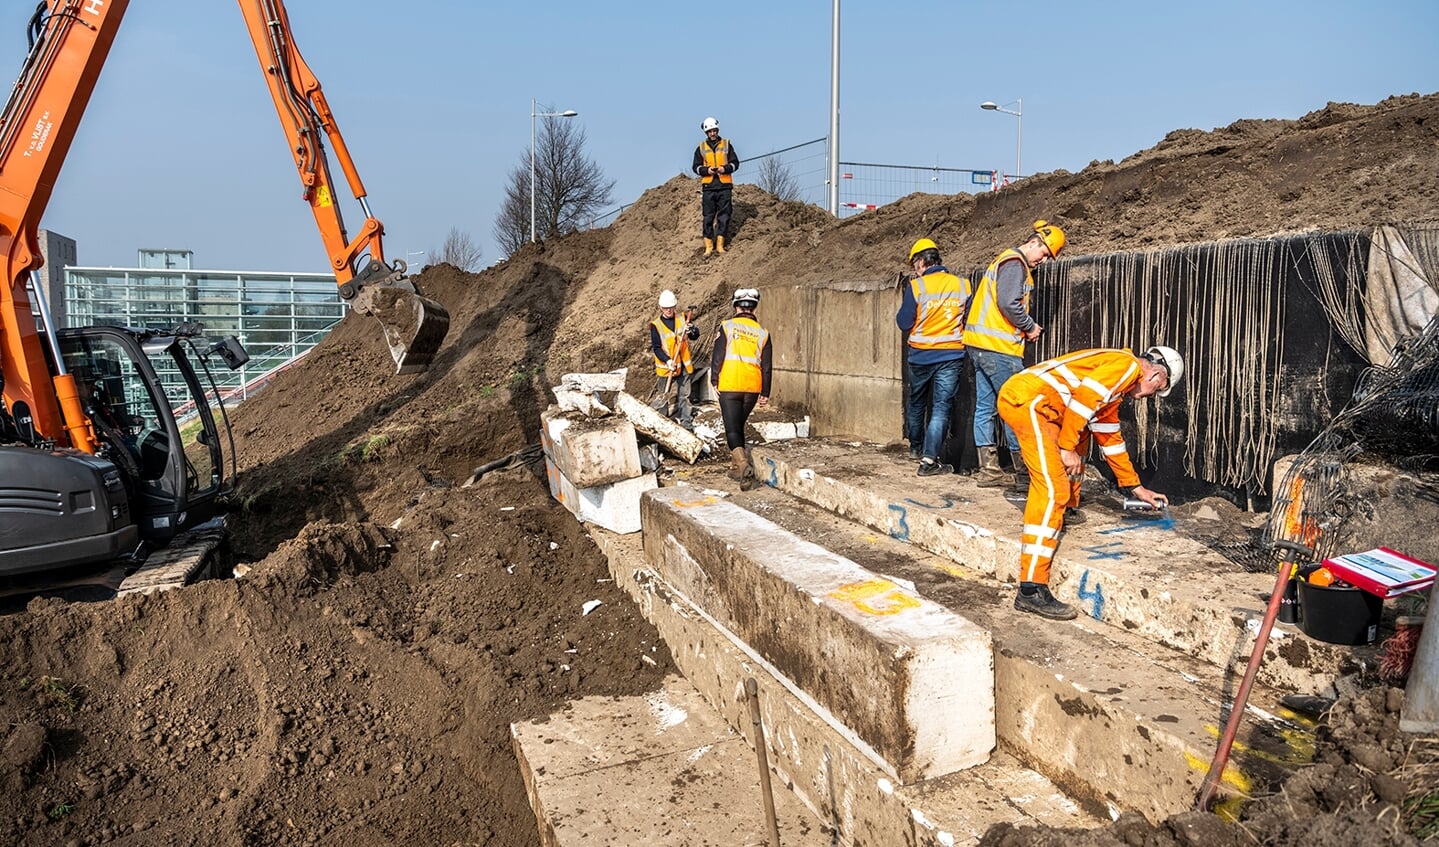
point(1300, 746)
point(871, 539)
point(875, 597)
point(951, 568)
point(323, 198)
point(1228, 807)
point(690, 504)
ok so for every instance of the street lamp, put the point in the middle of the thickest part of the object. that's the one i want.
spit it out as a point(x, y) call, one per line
point(1018, 113)
point(409, 253)
point(568, 113)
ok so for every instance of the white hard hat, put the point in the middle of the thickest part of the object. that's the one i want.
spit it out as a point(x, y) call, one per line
point(709, 124)
point(746, 295)
point(1171, 361)
point(668, 300)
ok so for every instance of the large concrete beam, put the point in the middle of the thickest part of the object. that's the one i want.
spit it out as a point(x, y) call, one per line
point(910, 678)
point(616, 506)
point(1139, 576)
point(848, 786)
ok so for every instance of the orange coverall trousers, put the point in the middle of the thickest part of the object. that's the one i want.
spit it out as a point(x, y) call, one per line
point(1051, 490)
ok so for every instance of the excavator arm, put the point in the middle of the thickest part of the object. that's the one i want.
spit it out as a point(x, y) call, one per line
point(414, 326)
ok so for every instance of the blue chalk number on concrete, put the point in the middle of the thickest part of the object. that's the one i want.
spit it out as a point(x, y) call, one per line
point(773, 481)
point(1097, 595)
point(900, 532)
point(1103, 551)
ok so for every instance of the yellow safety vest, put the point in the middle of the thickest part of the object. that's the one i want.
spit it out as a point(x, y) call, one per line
point(744, 345)
point(675, 343)
point(716, 158)
point(987, 327)
point(939, 299)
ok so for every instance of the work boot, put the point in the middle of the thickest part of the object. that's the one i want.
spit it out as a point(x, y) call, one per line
point(748, 478)
point(931, 467)
point(709, 246)
point(990, 474)
point(1073, 517)
point(1018, 493)
point(1042, 603)
point(719, 244)
point(737, 463)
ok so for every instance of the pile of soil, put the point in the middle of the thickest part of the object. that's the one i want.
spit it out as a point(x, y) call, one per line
point(356, 685)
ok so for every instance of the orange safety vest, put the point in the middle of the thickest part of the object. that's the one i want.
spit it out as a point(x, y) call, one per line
point(1082, 392)
point(716, 158)
point(987, 327)
point(939, 299)
point(745, 341)
point(675, 344)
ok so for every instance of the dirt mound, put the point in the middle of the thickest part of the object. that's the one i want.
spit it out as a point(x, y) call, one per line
point(356, 686)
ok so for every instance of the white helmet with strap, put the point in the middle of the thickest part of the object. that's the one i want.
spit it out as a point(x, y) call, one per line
point(1169, 359)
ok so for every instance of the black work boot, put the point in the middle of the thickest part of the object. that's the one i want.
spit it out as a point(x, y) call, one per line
point(1073, 517)
point(1042, 603)
point(1018, 493)
point(930, 467)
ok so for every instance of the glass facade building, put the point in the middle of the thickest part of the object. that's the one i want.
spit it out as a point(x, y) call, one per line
point(277, 316)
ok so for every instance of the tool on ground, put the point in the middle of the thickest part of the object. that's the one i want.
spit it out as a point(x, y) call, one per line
point(751, 692)
point(1292, 552)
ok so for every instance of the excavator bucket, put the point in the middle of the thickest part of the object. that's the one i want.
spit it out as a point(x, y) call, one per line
point(414, 326)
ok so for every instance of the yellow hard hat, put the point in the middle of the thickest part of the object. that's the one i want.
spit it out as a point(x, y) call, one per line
point(1051, 235)
point(920, 246)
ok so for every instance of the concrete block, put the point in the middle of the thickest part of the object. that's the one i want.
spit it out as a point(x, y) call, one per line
point(841, 779)
point(912, 680)
point(675, 438)
point(616, 506)
point(655, 769)
point(591, 451)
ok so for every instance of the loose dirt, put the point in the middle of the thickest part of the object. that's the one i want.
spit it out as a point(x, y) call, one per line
point(356, 684)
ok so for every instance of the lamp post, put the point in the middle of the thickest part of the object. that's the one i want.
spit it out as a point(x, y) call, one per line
point(409, 253)
point(1019, 143)
point(568, 113)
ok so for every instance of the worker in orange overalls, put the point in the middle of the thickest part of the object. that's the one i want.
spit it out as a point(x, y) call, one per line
point(1053, 407)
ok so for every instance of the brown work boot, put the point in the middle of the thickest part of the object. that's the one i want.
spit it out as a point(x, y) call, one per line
point(710, 246)
point(990, 474)
point(738, 462)
point(748, 478)
point(719, 244)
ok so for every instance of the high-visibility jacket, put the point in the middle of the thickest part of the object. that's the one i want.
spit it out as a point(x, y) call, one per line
point(1081, 392)
point(987, 327)
point(939, 299)
point(675, 344)
point(745, 341)
point(716, 158)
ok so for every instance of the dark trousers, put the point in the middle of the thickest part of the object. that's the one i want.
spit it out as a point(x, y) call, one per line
point(735, 407)
point(716, 206)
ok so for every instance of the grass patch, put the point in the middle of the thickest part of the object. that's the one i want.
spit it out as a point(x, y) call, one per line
point(57, 692)
point(60, 810)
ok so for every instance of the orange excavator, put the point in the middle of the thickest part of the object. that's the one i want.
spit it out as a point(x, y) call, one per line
point(93, 462)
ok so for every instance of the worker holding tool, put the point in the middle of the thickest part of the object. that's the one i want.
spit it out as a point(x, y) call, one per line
point(670, 337)
point(715, 162)
point(740, 371)
point(1053, 407)
point(932, 316)
point(995, 331)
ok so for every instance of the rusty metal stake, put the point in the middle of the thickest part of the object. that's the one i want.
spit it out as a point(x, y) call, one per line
point(751, 691)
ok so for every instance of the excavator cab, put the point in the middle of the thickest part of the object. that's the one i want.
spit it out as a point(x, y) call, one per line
point(153, 417)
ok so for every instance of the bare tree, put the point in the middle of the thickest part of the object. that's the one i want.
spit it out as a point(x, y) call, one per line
point(776, 178)
point(570, 188)
point(459, 250)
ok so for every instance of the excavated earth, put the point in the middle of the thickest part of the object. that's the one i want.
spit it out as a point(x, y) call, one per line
point(355, 685)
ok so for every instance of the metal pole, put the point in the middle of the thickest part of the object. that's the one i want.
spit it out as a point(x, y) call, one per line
point(834, 115)
point(1019, 144)
point(751, 690)
point(532, 169)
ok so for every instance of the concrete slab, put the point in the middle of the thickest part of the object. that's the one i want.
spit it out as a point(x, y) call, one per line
point(615, 507)
point(675, 438)
point(909, 677)
point(833, 772)
point(590, 451)
point(1140, 576)
point(661, 769)
point(1115, 719)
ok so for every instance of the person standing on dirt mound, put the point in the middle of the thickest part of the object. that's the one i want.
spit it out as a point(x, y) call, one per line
point(740, 372)
point(1053, 407)
point(931, 314)
point(715, 163)
point(995, 331)
point(670, 337)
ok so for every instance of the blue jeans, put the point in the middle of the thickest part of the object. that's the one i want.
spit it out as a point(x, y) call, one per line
point(941, 379)
point(991, 369)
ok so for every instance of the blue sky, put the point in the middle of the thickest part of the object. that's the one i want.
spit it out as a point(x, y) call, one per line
point(180, 147)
